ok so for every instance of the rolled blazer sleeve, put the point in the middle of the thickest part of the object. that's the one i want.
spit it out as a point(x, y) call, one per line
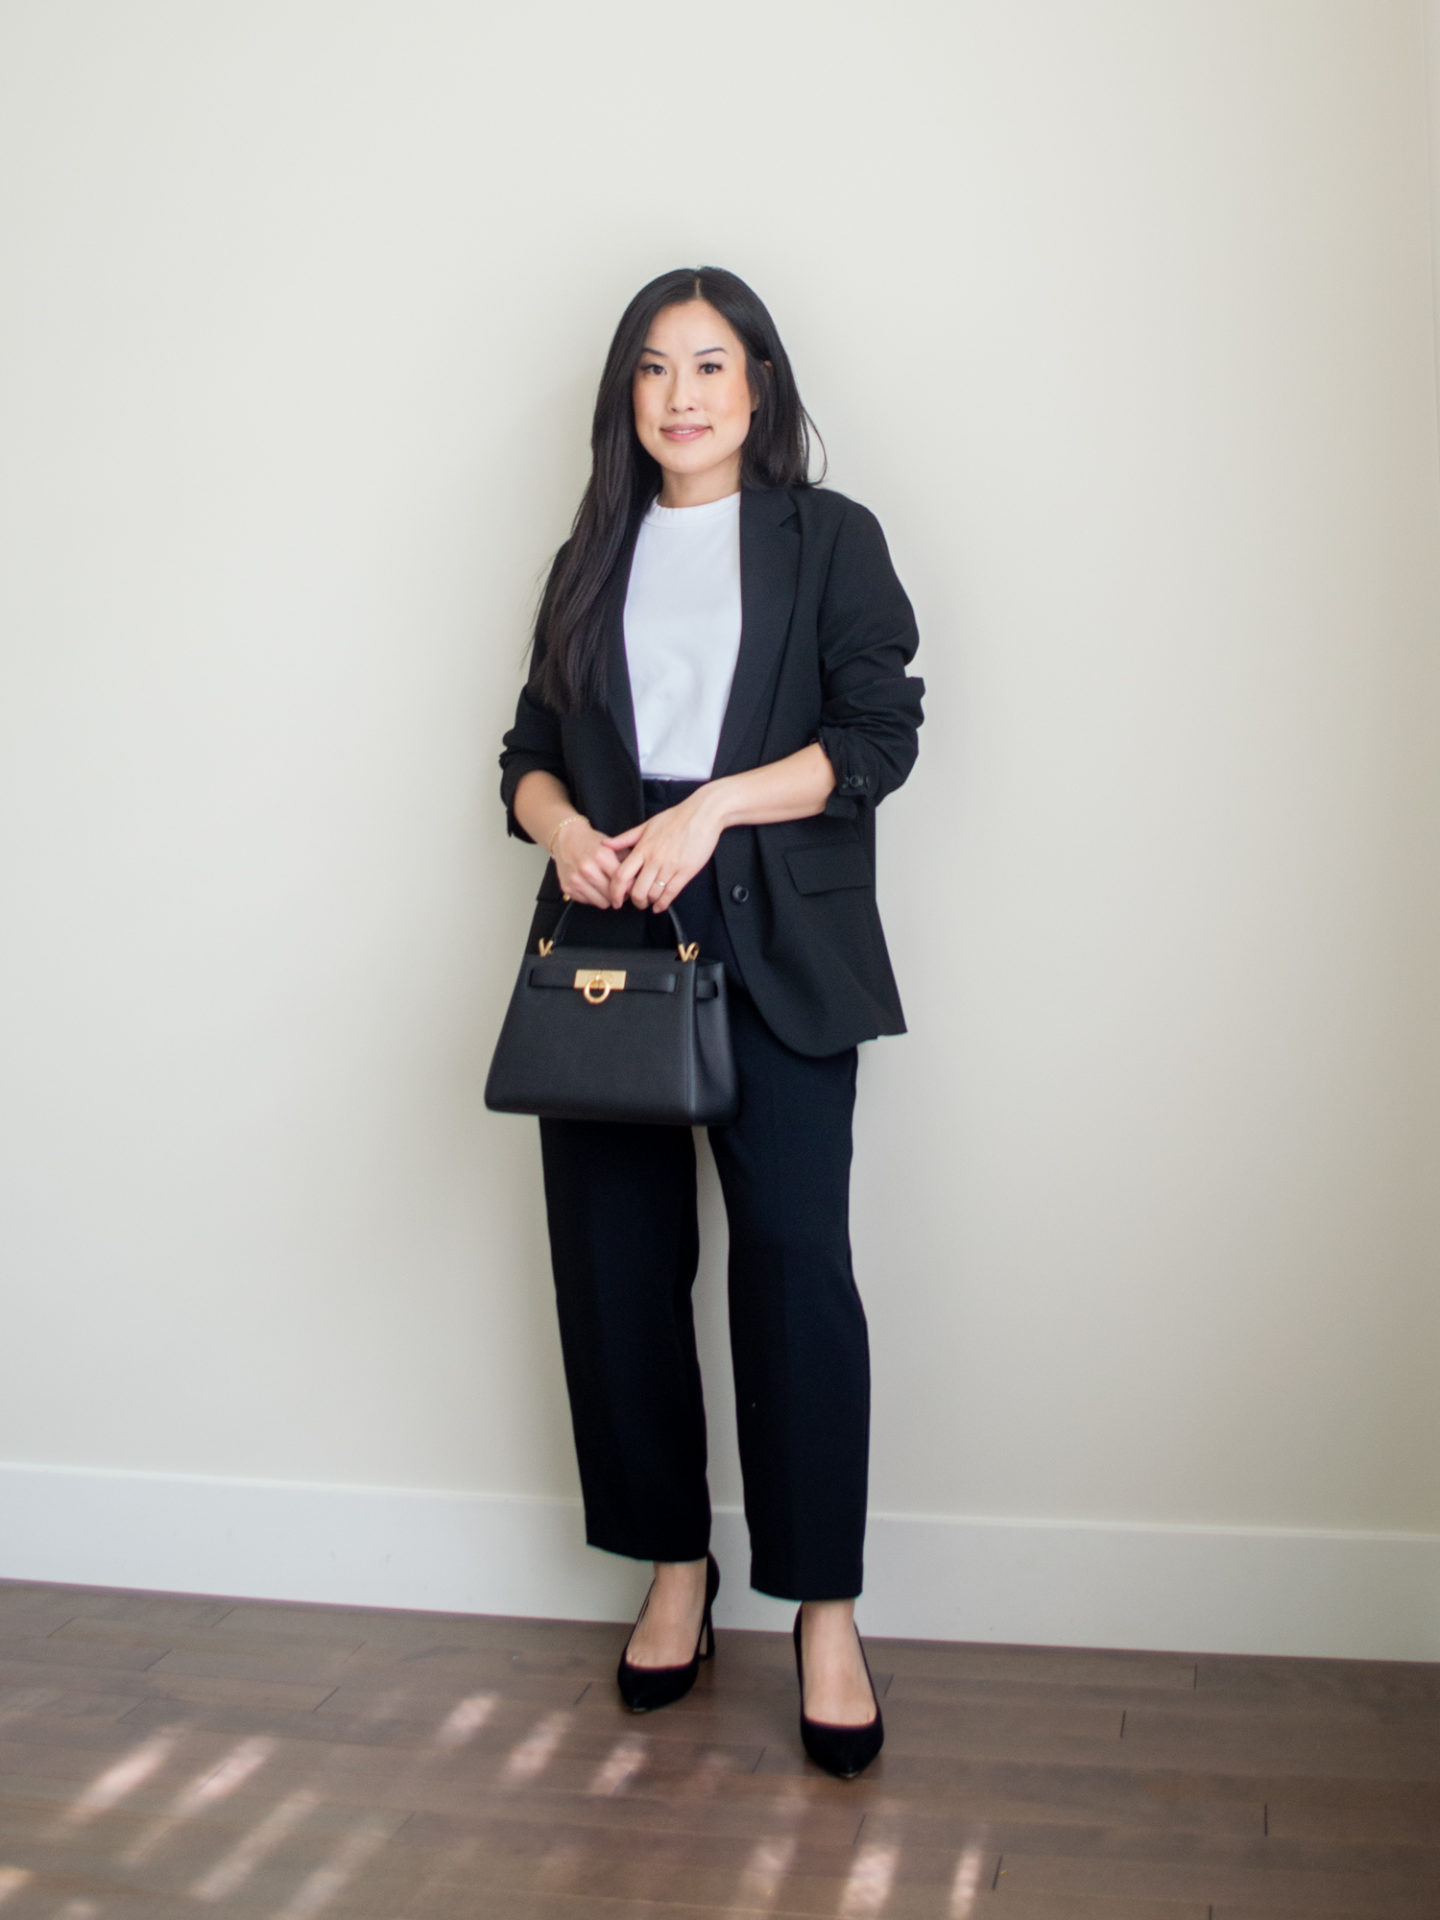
point(872, 708)
point(534, 742)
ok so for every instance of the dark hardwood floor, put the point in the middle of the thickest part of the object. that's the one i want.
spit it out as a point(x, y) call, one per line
point(165, 1756)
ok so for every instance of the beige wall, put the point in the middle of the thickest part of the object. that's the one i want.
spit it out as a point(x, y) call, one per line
point(1121, 317)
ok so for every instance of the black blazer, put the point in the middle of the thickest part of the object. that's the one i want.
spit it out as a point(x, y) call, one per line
point(826, 634)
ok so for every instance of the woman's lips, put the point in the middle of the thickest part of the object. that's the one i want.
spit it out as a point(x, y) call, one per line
point(683, 433)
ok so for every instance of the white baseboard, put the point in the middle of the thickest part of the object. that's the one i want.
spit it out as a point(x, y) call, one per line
point(1036, 1582)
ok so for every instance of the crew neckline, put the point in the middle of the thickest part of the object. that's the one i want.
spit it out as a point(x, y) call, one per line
point(688, 516)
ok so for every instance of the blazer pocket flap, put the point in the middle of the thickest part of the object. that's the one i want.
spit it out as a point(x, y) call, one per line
point(821, 869)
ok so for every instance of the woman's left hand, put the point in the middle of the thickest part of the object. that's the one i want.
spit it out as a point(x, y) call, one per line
point(663, 854)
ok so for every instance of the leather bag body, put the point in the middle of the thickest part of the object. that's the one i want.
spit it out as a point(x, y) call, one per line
point(638, 1034)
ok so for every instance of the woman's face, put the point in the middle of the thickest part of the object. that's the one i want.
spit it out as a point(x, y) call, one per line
point(693, 403)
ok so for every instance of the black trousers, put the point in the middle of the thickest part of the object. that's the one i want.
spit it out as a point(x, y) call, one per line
point(624, 1239)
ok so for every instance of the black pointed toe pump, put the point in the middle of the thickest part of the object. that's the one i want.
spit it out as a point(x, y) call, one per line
point(843, 1751)
point(645, 1688)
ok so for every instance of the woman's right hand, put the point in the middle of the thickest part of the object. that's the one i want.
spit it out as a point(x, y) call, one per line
point(584, 864)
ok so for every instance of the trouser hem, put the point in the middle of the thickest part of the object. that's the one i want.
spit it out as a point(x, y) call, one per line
point(802, 1590)
point(662, 1550)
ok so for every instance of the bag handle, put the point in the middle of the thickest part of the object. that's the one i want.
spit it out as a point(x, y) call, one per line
point(685, 949)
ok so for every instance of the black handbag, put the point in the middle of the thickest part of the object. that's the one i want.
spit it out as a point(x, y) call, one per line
point(617, 1033)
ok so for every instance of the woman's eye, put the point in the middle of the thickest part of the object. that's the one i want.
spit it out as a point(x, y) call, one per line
point(710, 366)
point(652, 366)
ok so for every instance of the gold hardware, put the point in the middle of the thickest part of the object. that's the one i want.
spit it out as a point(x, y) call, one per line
point(597, 987)
point(691, 951)
point(547, 947)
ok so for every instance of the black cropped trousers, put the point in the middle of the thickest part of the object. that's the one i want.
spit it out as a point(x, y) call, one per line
point(624, 1239)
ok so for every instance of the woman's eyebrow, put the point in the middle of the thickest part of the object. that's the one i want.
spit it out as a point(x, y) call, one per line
point(698, 351)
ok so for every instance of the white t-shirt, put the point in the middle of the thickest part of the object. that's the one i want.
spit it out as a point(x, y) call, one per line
point(682, 634)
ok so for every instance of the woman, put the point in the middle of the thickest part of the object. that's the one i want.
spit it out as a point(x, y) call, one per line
point(717, 702)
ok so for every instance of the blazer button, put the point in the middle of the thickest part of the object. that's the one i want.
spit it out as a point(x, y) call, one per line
point(739, 895)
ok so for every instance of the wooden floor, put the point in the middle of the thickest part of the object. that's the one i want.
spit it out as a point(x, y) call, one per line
point(163, 1755)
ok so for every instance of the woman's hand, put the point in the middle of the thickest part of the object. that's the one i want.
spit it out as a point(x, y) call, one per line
point(584, 863)
point(663, 853)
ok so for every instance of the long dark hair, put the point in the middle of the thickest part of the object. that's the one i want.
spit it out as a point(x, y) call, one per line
point(624, 477)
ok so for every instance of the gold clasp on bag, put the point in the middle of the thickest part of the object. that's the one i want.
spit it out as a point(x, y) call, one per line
point(690, 951)
point(597, 987)
point(547, 947)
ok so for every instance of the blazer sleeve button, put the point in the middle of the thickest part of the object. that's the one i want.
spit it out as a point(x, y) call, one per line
point(739, 895)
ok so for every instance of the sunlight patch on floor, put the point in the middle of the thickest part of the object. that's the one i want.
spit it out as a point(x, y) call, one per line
point(206, 1788)
point(127, 1774)
point(618, 1768)
point(321, 1887)
point(531, 1756)
point(868, 1887)
point(237, 1866)
point(463, 1722)
point(765, 1869)
point(966, 1883)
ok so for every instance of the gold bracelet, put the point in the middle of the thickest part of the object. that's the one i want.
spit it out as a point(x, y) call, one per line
point(550, 849)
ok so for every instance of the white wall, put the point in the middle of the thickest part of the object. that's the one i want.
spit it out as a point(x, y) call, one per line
point(1122, 318)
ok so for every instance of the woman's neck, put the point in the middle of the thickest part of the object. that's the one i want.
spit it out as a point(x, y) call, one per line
point(699, 489)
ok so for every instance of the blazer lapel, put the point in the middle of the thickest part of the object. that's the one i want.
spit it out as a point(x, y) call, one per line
point(769, 566)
